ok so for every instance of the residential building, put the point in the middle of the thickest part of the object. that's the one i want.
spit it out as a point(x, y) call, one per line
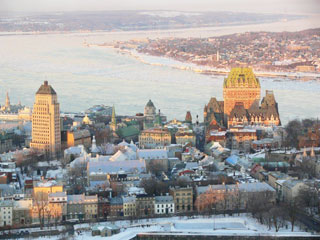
point(75, 207)
point(154, 138)
point(144, 205)
point(183, 199)
point(103, 207)
point(291, 188)
point(241, 138)
point(91, 207)
point(22, 212)
point(79, 137)
point(46, 187)
point(164, 205)
point(273, 177)
point(129, 206)
point(5, 141)
point(46, 135)
point(57, 203)
point(233, 196)
point(154, 157)
point(6, 213)
point(185, 137)
point(116, 206)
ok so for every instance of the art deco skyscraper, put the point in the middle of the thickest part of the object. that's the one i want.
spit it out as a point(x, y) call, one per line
point(46, 135)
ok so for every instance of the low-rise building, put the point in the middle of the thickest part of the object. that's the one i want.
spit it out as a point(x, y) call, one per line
point(164, 205)
point(184, 137)
point(154, 138)
point(129, 206)
point(58, 206)
point(144, 205)
point(6, 213)
point(291, 188)
point(241, 138)
point(78, 137)
point(22, 212)
point(183, 199)
point(91, 207)
point(116, 207)
point(75, 207)
point(154, 157)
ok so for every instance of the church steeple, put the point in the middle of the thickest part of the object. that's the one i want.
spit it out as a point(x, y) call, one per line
point(113, 124)
point(312, 154)
point(304, 152)
point(7, 105)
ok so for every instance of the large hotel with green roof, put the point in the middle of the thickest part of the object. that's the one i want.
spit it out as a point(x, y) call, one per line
point(241, 85)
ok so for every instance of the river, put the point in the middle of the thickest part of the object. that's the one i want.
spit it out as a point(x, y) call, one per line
point(83, 76)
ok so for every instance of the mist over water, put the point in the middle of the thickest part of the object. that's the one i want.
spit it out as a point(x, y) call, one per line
point(85, 76)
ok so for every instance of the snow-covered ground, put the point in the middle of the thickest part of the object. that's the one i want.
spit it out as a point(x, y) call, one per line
point(219, 225)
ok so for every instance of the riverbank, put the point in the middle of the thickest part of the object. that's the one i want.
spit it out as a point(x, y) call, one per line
point(173, 63)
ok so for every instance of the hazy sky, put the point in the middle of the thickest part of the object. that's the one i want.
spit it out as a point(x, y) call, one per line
point(268, 6)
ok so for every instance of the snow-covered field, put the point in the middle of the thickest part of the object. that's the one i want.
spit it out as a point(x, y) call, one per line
point(219, 225)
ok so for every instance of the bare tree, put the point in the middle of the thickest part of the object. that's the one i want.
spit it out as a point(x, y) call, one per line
point(257, 204)
point(40, 202)
point(308, 198)
point(276, 214)
point(77, 177)
point(291, 211)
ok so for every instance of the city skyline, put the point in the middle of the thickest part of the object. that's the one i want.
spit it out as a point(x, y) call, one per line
point(273, 6)
point(159, 119)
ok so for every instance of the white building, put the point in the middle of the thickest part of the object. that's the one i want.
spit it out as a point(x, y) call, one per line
point(6, 208)
point(164, 205)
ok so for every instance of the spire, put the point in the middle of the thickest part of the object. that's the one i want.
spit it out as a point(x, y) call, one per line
point(312, 154)
point(94, 149)
point(113, 118)
point(7, 100)
point(305, 152)
point(113, 124)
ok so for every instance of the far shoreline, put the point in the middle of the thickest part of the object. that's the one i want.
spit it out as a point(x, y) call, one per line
point(294, 76)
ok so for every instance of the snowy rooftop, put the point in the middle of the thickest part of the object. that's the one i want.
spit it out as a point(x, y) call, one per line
point(153, 154)
point(114, 167)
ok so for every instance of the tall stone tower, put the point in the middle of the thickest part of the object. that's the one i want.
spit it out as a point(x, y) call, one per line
point(7, 105)
point(113, 124)
point(241, 85)
point(150, 111)
point(46, 135)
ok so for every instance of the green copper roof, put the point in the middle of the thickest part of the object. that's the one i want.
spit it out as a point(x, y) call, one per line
point(241, 77)
point(128, 131)
point(150, 103)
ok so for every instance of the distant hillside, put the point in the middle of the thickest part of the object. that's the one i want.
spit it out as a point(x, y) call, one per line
point(130, 20)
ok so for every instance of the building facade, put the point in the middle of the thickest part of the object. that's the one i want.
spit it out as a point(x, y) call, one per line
point(46, 135)
point(129, 206)
point(154, 138)
point(241, 93)
point(183, 199)
point(144, 205)
point(241, 85)
point(164, 205)
point(6, 213)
